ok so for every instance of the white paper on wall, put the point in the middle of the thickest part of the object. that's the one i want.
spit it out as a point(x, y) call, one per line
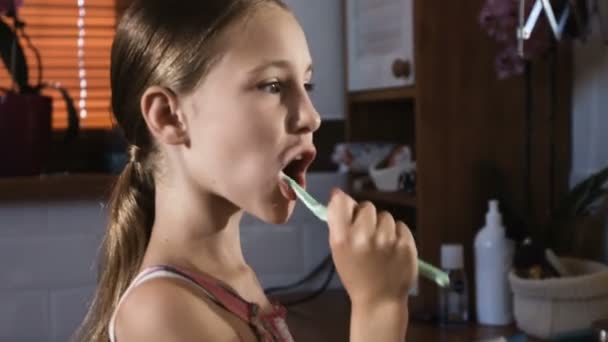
point(379, 32)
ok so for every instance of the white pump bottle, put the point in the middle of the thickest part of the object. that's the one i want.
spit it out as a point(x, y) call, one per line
point(493, 260)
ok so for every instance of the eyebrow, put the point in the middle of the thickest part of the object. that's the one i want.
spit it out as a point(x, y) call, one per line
point(281, 63)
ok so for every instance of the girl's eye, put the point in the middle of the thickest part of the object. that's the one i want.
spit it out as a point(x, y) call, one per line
point(310, 87)
point(273, 87)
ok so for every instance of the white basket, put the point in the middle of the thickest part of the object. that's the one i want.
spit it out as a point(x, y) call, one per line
point(545, 308)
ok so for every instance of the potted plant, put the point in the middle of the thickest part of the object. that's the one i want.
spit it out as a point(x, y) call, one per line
point(554, 295)
point(25, 114)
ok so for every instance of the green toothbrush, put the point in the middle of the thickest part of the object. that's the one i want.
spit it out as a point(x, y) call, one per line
point(320, 211)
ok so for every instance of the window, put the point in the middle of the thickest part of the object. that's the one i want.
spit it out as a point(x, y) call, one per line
point(74, 39)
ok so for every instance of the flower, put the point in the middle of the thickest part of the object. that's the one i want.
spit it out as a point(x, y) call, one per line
point(11, 49)
point(499, 18)
point(508, 63)
point(9, 5)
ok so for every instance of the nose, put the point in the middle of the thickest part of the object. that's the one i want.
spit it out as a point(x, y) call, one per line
point(307, 119)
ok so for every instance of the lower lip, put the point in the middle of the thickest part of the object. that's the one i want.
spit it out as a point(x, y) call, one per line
point(302, 181)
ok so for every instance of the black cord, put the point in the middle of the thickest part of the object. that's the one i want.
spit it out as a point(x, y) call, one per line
point(317, 293)
point(528, 111)
point(317, 270)
point(552, 122)
point(327, 261)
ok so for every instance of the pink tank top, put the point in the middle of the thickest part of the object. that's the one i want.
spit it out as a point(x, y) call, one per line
point(269, 327)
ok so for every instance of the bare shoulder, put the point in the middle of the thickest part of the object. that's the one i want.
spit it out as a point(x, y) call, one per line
point(167, 309)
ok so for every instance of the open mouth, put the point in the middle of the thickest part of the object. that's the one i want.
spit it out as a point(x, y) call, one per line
point(296, 170)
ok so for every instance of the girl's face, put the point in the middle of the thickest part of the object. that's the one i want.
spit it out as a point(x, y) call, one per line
point(252, 116)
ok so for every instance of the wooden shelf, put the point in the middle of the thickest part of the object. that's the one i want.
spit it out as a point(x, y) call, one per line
point(387, 94)
point(396, 198)
point(56, 187)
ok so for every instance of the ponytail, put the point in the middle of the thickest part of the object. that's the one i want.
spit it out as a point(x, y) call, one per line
point(131, 214)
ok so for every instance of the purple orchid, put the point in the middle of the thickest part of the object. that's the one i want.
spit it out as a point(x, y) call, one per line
point(9, 5)
point(508, 63)
point(499, 18)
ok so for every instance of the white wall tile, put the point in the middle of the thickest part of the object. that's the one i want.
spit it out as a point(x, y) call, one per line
point(24, 316)
point(52, 219)
point(67, 311)
point(316, 242)
point(77, 217)
point(271, 249)
point(48, 262)
point(23, 219)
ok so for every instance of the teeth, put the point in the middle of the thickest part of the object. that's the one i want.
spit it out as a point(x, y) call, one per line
point(298, 157)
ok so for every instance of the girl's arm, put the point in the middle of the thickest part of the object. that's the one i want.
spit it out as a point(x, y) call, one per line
point(376, 259)
point(379, 322)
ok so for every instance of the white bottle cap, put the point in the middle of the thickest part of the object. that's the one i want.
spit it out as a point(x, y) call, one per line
point(493, 216)
point(452, 257)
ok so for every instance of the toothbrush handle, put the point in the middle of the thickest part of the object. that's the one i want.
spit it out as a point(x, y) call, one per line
point(319, 210)
point(432, 273)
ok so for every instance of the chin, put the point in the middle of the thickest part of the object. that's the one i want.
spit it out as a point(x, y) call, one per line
point(277, 213)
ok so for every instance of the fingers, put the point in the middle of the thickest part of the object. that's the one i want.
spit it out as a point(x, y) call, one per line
point(403, 233)
point(340, 214)
point(348, 220)
point(406, 242)
point(365, 219)
point(386, 234)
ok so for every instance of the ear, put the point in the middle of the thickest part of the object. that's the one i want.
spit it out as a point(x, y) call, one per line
point(159, 109)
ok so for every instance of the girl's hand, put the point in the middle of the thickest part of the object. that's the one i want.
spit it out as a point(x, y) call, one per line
point(375, 257)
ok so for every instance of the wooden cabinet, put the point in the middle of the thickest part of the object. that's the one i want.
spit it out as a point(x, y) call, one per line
point(470, 134)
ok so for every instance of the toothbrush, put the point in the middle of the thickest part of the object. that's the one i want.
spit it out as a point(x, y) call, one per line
point(426, 270)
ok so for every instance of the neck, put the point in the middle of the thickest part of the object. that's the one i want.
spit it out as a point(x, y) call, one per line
point(196, 230)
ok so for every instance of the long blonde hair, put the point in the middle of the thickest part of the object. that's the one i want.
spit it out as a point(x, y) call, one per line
point(169, 44)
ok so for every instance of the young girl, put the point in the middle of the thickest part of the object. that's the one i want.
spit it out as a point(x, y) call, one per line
point(212, 96)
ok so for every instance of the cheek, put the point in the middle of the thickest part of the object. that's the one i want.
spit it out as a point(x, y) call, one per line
point(236, 147)
point(253, 134)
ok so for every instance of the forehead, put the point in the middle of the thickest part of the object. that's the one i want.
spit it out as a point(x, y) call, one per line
point(268, 33)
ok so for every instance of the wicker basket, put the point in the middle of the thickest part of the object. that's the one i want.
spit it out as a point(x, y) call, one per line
point(544, 308)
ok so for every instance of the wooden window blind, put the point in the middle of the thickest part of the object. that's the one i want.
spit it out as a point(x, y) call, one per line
point(74, 38)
